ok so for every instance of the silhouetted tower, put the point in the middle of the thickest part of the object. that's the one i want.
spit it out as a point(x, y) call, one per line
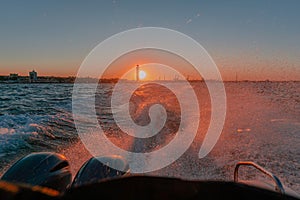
point(137, 72)
point(33, 76)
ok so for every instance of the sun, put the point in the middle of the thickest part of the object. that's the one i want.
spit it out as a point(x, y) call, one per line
point(142, 74)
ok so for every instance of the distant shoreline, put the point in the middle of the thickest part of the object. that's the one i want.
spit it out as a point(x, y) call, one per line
point(113, 82)
point(36, 83)
point(72, 80)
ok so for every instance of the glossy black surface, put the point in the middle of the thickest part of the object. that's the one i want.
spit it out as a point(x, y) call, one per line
point(44, 169)
point(94, 171)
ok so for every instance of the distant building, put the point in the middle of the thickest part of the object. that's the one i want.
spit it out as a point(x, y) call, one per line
point(33, 76)
point(137, 72)
point(13, 76)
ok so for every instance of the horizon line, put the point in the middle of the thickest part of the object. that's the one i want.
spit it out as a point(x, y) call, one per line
point(192, 80)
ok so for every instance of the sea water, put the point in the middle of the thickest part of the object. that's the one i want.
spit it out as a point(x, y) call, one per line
point(262, 125)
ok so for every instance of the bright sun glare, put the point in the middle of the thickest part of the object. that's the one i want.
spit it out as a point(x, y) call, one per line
point(142, 74)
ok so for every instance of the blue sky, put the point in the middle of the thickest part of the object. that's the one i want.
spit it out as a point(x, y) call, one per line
point(257, 39)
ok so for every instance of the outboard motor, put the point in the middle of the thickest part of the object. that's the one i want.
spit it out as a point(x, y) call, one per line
point(46, 169)
point(94, 171)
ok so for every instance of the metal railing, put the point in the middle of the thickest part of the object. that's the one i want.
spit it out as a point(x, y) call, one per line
point(278, 185)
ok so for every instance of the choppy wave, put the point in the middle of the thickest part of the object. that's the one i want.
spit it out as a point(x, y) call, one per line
point(262, 125)
point(34, 117)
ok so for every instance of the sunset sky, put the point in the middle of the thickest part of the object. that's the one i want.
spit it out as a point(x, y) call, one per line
point(258, 40)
